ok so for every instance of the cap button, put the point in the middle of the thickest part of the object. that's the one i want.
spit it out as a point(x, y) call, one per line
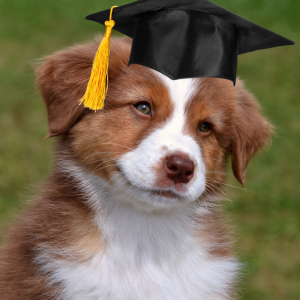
point(110, 23)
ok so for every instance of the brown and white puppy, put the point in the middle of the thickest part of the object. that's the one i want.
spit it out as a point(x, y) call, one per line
point(130, 210)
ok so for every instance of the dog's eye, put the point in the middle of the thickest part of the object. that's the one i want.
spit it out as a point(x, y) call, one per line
point(144, 108)
point(204, 127)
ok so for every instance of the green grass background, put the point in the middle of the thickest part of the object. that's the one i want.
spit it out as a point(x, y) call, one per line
point(266, 215)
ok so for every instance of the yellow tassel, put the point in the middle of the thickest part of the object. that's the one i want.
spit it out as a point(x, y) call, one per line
point(97, 87)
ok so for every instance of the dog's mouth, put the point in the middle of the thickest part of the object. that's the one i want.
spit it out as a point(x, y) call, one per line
point(164, 193)
point(150, 198)
point(169, 193)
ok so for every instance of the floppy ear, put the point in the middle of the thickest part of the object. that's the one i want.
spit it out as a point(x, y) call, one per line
point(62, 79)
point(251, 131)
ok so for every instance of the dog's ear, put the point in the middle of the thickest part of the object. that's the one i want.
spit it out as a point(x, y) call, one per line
point(62, 79)
point(250, 133)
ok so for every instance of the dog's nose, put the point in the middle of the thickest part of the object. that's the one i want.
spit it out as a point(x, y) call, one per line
point(179, 169)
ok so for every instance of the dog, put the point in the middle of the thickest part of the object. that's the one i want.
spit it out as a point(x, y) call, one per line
point(131, 209)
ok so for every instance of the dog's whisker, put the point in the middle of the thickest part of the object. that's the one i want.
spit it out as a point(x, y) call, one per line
point(213, 180)
point(99, 169)
point(129, 190)
point(214, 159)
point(220, 190)
point(125, 181)
point(107, 182)
point(219, 172)
point(165, 214)
point(118, 145)
point(95, 161)
point(104, 152)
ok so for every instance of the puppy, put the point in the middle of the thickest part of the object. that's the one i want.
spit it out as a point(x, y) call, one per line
point(131, 208)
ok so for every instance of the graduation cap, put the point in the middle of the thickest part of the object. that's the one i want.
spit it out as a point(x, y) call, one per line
point(180, 39)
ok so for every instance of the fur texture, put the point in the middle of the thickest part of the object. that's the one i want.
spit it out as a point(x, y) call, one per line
point(110, 223)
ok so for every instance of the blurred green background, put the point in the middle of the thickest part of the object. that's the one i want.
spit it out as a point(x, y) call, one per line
point(266, 215)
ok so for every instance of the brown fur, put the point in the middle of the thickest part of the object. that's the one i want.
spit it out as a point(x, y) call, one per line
point(59, 218)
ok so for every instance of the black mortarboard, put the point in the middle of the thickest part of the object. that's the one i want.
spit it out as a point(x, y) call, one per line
point(188, 38)
point(180, 39)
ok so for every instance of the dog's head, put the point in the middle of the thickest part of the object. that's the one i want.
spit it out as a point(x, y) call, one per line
point(160, 142)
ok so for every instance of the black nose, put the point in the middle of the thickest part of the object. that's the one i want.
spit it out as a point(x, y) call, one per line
point(179, 169)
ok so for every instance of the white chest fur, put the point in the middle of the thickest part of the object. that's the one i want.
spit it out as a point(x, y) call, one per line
point(146, 256)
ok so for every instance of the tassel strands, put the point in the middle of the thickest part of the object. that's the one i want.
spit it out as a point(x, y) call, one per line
point(98, 84)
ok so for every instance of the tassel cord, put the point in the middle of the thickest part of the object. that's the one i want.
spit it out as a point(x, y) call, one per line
point(98, 84)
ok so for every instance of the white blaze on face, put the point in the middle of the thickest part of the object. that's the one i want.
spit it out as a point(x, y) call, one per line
point(138, 166)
